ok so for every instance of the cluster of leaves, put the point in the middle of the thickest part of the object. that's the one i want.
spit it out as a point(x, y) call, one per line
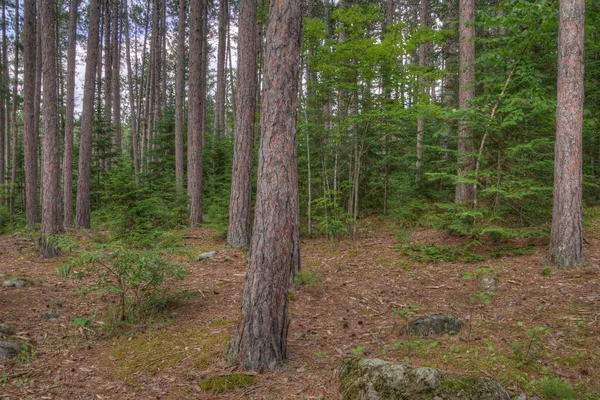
point(142, 280)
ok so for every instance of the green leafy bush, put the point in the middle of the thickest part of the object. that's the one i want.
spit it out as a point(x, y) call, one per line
point(141, 280)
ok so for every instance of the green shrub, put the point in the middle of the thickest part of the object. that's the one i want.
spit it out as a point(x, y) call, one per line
point(555, 389)
point(308, 279)
point(140, 279)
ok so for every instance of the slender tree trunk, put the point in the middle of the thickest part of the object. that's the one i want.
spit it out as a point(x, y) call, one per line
point(424, 19)
point(50, 148)
point(15, 153)
point(3, 103)
point(116, 78)
point(261, 337)
point(31, 136)
point(135, 137)
point(87, 117)
point(196, 105)
point(109, 28)
point(240, 231)
point(70, 107)
point(219, 122)
point(464, 190)
point(566, 245)
point(180, 95)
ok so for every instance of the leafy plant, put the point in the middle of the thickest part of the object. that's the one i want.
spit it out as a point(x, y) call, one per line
point(140, 279)
point(523, 350)
point(406, 312)
point(555, 389)
point(308, 279)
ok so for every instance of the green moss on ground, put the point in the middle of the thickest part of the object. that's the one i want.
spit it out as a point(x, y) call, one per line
point(226, 383)
point(153, 352)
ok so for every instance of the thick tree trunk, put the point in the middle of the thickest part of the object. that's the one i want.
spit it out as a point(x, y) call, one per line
point(239, 232)
point(31, 136)
point(50, 148)
point(87, 117)
point(464, 190)
point(196, 105)
point(566, 246)
point(70, 107)
point(261, 337)
point(180, 95)
point(219, 122)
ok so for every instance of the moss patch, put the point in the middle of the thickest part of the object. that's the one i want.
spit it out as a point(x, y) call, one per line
point(153, 352)
point(226, 383)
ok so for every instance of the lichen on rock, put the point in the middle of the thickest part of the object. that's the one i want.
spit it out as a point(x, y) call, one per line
point(374, 379)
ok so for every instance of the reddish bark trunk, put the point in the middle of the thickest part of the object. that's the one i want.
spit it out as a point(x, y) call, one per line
point(566, 246)
point(87, 117)
point(261, 337)
point(50, 148)
point(239, 231)
point(466, 92)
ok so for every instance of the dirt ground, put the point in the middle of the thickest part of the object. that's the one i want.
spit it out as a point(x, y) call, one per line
point(368, 286)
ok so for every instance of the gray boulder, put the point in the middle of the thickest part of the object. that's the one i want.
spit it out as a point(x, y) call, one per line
point(14, 283)
point(9, 350)
point(436, 324)
point(207, 255)
point(373, 379)
point(6, 329)
point(487, 282)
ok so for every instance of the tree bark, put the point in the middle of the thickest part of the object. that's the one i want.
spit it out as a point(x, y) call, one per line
point(116, 78)
point(31, 135)
point(424, 19)
point(219, 122)
point(196, 105)
point(240, 231)
point(70, 107)
point(180, 95)
point(135, 137)
point(15, 153)
point(566, 245)
point(466, 92)
point(50, 148)
point(261, 337)
point(87, 117)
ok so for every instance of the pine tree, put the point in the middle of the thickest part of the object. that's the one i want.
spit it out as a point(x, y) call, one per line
point(566, 246)
point(261, 337)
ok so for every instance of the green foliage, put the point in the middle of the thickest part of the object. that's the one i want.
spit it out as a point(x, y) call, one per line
point(140, 279)
point(523, 351)
point(406, 312)
point(138, 214)
point(83, 322)
point(358, 351)
point(330, 216)
point(425, 253)
point(226, 383)
point(478, 272)
point(555, 389)
point(308, 279)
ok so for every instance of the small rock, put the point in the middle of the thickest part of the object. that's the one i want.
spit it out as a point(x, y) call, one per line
point(436, 324)
point(51, 314)
point(14, 283)
point(9, 350)
point(487, 282)
point(207, 255)
point(6, 329)
point(522, 396)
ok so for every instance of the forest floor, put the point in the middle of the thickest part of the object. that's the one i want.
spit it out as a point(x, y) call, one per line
point(365, 290)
